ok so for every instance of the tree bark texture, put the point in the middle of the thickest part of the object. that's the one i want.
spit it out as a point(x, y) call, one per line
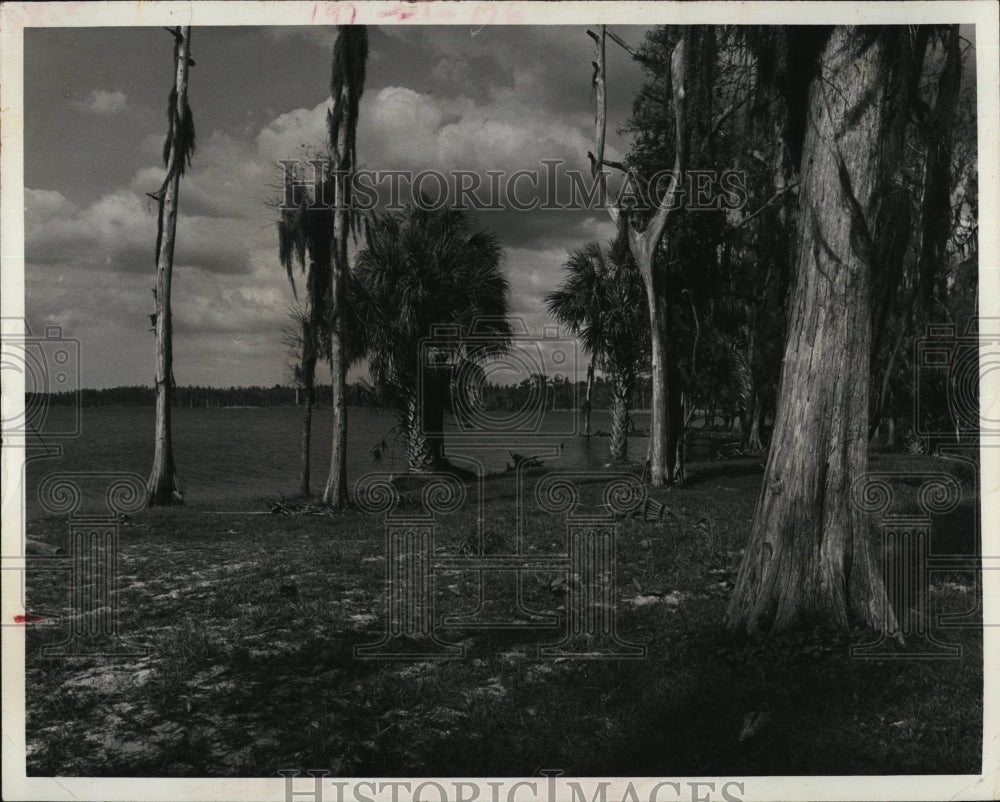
point(808, 558)
point(163, 486)
point(621, 402)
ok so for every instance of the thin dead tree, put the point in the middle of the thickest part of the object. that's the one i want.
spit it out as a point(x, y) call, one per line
point(643, 244)
point(163, 486)
point(300, 340)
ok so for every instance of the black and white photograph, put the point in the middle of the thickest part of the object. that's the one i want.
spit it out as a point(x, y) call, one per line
point(540, 402)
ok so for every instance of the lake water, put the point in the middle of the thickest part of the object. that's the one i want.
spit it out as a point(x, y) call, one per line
point(238, 454)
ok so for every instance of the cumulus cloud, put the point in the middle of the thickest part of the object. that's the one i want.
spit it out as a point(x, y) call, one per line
point(486, 103)
point(220, 327)
point(118, 232)
point(101, 101)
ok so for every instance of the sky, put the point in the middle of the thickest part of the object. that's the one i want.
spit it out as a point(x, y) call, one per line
point(444, 98)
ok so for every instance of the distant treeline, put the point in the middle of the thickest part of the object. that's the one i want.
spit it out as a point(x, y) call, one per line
point(558, 395)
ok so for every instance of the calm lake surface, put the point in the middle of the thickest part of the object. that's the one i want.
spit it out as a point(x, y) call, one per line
point(237, 454)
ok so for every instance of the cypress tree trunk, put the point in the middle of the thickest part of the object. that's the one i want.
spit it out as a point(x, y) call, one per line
point(754, 443)
point(808, 559)
point(304, 476)
point(163, 486)
point(307, 376)
point(335, 492)
point(309, 393)
point(675, 422)
point(347, 83)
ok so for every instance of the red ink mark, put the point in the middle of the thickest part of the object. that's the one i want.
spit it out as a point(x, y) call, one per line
point(400, 11)
point(27, 619)
point(332, 12)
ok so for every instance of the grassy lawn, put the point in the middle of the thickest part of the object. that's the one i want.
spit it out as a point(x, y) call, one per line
point(249, 622)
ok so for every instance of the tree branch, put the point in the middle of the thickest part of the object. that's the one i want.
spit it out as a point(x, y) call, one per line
point(619, 166)
point(655, 227)
point(600, 101)
point(768, 204)
point(726, 115)
point(625, 46)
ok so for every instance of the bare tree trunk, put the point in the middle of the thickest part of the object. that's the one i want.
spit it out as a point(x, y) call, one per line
point(659, 420)
point(335, 492)
point(643, 246)
point(163, 486)
point(676, 422)
point(808, 559)
point(304, 475)
point(754, 443)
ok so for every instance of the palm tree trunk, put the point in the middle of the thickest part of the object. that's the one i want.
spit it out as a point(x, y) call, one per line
point(163, 486)
point(423, 444)
point(588, 401)
point(621, 392)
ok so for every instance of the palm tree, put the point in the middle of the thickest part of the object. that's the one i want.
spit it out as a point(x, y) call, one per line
point(350, 56)
point(304, 237)
point(421, 269)
point(602, 300)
